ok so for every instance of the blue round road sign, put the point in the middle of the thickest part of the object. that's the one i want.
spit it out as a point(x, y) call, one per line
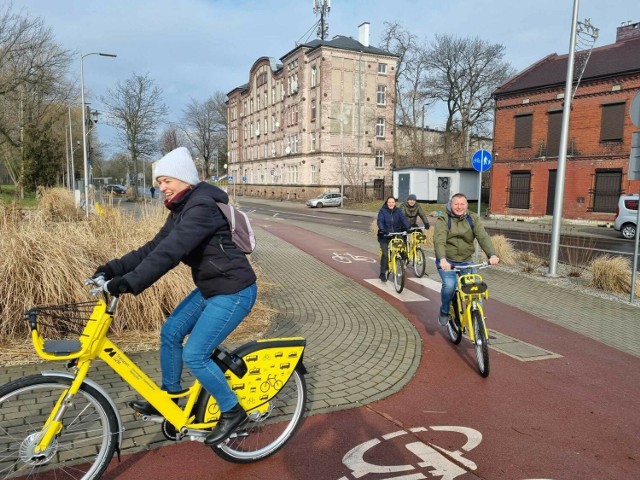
point(481, 161)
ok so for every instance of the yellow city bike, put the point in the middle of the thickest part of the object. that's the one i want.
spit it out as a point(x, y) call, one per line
point(63, 425)
point(415, 254)
point(466, 314)
point(396, 255)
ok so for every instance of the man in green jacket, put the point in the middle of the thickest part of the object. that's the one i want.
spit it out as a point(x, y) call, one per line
point(412, 210)
point(453, 244)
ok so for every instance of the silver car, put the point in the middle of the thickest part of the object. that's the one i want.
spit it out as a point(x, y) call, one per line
point(325, 200)
point(627, 216)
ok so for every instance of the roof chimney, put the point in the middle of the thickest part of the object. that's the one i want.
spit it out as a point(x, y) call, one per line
point(363, 34)
point(627, 31)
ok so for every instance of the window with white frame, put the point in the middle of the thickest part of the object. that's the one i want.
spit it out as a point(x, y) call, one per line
point(313, 174)
point(381, 96)
point(273, 95)
point(380, 128)
point(314, 76)
point(382, 68)
point(266, 125)
point(379, 159)
point(313, 110)
point(295, 144)
point(313, 142)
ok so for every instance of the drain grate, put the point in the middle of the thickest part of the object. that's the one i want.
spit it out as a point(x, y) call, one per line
point(514, 348)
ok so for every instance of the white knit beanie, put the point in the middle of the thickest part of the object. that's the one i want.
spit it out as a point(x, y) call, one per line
point(177, 164)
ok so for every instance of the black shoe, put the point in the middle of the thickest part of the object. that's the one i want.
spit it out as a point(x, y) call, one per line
point(383, 277)
point(229, 421)
point(145, 408)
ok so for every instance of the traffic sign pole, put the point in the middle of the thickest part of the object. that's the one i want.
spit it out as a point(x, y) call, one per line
point(481, 161)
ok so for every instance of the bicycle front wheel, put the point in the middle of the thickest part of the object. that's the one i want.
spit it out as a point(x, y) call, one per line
point(83, 448)
point(481, 343)
point(453, 326)
point(267, 431)
point(419, 263)
point(398, 274)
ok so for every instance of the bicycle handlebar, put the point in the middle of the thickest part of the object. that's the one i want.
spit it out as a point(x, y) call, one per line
point(97, 286)
point(396, 234)
point(479, 266)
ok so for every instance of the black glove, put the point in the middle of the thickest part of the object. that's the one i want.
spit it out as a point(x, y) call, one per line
point(117, 286)
point(104, 271)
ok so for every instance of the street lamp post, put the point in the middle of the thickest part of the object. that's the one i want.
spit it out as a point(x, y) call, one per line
point(84, 128)
point(341, 160)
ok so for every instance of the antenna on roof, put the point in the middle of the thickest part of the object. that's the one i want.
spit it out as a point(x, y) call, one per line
point(322, 8)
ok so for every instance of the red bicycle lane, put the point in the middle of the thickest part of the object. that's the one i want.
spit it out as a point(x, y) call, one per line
point(571, 417)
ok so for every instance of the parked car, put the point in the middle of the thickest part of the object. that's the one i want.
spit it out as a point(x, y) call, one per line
point(627, 215)
point(325, 200)
point(115, 189)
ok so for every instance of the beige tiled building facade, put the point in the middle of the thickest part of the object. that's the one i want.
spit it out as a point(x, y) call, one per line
point(320, 118)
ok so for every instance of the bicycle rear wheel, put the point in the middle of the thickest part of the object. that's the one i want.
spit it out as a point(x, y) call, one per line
point(419, 263)
point(481, 344)
point(453, 326)
point(82, 450)
point(267, 432)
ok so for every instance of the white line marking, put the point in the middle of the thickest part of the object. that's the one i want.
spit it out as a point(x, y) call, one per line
point(427, 282)
point(387, 287)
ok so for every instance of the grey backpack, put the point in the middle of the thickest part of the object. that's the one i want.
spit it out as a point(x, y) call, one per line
point(241, 231)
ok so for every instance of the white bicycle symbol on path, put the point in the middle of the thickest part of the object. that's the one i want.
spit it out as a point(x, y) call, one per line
point(350, 258)
point(434, 461)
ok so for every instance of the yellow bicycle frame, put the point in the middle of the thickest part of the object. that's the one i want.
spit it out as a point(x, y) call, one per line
point(415, 239)
point(469, 295)
point(268, 360)
point(396, 246)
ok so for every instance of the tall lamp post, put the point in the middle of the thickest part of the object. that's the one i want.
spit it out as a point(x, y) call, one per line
point(84, 128)
point(341, 160)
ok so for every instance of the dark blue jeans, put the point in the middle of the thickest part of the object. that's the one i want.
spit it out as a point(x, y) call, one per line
point(207, 321)
point(449, 283)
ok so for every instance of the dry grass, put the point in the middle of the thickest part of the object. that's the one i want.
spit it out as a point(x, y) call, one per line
point(612, 274)
point(504, 249)
point(529, 261)
point(51, 250)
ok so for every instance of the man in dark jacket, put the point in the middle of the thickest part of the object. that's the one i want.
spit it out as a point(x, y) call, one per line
point(196, 233)
point(390, 219)
point(412, 210)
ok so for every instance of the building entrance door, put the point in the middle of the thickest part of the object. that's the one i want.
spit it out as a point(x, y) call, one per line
point(444, 189)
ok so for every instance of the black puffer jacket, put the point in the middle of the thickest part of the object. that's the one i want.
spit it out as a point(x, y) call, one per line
point(196, 233)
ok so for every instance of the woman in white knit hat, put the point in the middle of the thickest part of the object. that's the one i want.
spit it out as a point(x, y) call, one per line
point(196, 233)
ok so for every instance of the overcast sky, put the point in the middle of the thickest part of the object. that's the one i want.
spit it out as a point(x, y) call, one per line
point(192, 48)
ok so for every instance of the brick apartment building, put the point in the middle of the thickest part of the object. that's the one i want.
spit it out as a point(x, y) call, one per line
point(321, 116)
point(527, 127)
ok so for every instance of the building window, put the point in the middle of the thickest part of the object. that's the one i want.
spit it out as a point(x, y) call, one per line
point(523, 130)
point(519, 190)
point(295, 114)
point(612, 122)
point(273, 95)
point(553, 134)
point(380, 128)
point(607, 190)
point(313, 110)
point(379, 159)
point(382, 68)
point(314, 76)
point(313, 174)
point(313, 142)
point(381, 97)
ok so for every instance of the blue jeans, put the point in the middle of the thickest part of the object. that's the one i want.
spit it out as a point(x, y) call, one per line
point(449, 284)
point(207, 321)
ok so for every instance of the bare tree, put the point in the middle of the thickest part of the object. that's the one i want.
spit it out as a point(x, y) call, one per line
point(411, 70)
point(463, 73)
point(33, 68)
point(169, 140)
point(135, 109)
point(205, 127)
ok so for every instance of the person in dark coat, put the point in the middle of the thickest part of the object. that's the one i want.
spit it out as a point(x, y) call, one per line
point(390, 219)
point(197, 234)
